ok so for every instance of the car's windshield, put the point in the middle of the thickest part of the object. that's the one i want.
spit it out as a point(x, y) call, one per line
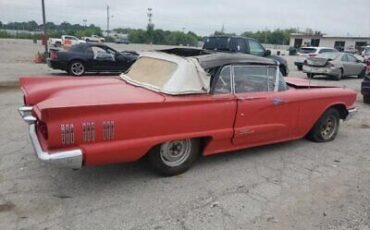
point(330, 55)
point(151, 71)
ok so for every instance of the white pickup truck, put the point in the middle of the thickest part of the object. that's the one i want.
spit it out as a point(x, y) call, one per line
point(65, 41)
point(93, 38)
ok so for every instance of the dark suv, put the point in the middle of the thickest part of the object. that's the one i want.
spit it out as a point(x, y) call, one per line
point(236, 44)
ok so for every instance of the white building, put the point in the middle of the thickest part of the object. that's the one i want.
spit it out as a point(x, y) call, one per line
point(341, 43)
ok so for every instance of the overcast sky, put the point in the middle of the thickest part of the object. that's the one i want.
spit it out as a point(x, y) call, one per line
point(333, 17)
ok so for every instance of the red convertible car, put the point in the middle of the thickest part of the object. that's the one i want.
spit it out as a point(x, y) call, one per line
point(175, 105)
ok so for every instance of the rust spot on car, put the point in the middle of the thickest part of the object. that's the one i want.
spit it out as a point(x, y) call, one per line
point(7, 207)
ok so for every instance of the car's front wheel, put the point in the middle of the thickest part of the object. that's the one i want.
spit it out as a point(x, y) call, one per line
point(76, 68)
point(367, 99)
point(326, 128)
point(175, 157)
point(362, 74)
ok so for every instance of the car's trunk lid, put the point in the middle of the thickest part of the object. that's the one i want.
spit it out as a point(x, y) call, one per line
point(317, 61)
point(52, 92)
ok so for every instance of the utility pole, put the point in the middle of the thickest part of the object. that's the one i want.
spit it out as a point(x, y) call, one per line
point(44, 27)
point(150, 16)
point(150, 25)
point(108, 22)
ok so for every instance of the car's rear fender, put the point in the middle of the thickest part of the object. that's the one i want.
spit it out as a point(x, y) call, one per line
point(140, 127)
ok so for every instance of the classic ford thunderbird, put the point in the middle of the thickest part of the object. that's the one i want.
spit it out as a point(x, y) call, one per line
point(175, 105)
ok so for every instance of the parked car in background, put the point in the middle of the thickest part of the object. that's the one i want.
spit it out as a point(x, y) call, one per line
point(65, 41)
point(366, 51)
point(175, 108)
point(334, 64)
point(236, 44)
point(121, 41)
point(90, 57)
point(365, 85)
point(93, 38)
point(350, 50)
point(305, 52)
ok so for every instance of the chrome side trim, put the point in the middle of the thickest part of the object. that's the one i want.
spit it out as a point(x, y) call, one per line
point(70, 158)
point(351, 113)
point(108, 130)
point(67, 134)
point(88, 132)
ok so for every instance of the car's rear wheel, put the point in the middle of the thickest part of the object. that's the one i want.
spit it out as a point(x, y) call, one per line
point(326, 128)
point(340, 75)
point(76, 68)
point(310, 75)
point(367, 99)
point(175, 157)
point(299, 67)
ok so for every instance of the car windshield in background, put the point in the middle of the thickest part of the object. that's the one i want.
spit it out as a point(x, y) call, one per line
point(217, 43)
point(151, 71)
point(330, 55)
point(307, 50)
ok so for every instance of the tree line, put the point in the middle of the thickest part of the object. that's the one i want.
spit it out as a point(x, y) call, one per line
point(54, 30)
point(159, 36)
point(149, 35)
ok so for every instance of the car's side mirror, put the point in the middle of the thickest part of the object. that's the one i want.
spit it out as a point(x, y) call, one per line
point(267, 53)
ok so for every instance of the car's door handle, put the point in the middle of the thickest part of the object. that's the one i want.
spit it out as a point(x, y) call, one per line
point(277, 101)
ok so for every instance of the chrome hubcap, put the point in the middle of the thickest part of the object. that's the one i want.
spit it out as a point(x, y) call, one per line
point(77, 68)
point(328, 127)
point(175, 153)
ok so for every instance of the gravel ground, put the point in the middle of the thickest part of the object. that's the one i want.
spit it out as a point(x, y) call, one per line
point(294, 185)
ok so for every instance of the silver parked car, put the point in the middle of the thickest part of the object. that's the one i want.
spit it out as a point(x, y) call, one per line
point(335, 64)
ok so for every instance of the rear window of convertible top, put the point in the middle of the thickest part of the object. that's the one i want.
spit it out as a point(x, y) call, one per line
point(152, 71)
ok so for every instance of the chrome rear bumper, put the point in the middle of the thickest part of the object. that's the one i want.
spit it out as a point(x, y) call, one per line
point(351, 113)
point(69, 158)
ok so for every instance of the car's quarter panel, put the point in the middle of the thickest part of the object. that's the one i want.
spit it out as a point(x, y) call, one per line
point(140, 119)
point(139, 127)
point(315, 101)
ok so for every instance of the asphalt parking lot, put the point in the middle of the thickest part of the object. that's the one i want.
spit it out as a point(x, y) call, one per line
point(293, 185)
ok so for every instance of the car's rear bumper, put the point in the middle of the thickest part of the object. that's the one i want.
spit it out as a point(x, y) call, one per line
point(54, 64)
point(321, 70)
point(72, 158)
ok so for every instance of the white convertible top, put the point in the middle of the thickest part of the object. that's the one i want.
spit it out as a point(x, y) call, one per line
point(168, 73)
